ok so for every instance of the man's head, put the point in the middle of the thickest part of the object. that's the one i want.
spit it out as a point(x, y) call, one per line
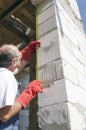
point(10, 57)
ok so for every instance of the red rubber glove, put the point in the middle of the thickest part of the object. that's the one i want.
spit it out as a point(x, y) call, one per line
point(30, 92)
point(29, 50)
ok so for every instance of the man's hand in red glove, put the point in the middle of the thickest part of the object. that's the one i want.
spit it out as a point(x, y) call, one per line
point(30, 92)
point(33, 45)
point(29, 50)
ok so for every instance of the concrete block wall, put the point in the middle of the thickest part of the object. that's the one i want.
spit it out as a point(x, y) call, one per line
point(72, 48)
point(62, 66)
point(53, 112)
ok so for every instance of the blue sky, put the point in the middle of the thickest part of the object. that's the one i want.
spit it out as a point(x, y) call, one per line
point(82, 9)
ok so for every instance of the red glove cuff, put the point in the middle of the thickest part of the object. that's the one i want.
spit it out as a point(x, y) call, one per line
point(24, 99)
point(30, 92)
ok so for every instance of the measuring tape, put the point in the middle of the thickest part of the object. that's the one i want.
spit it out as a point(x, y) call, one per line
point(37, 39)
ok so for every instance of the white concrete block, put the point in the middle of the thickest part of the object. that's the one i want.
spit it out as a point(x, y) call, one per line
point(82, 81)
point(74, 6)
point(54, 117)
point(68, 26)
point(69, 5)
point(36, 2)
point(77, 116)
point(83, 46)
point(85, 70)
point(47, 26)
point(78, 50)
point(50, 38)
point(78, 54)
point(45, 5)
point(70, 73)
point(49, 52)
point(68, 57)
point(66, 42)
point(46, 14)
point(66, 9)
point(55, 93)
point(51, 71)
point(75, 94)
point(69, 29)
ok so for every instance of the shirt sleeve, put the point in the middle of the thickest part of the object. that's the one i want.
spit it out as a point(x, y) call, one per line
point(8, 90)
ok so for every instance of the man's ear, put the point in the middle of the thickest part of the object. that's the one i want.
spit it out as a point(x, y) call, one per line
point(13, 61)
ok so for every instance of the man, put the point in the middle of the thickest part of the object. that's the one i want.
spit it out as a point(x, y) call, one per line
point(10, 102)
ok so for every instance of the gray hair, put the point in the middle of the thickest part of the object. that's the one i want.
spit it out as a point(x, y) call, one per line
point(6, 56)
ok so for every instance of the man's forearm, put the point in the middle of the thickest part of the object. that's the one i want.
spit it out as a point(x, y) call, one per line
point(9, 111)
